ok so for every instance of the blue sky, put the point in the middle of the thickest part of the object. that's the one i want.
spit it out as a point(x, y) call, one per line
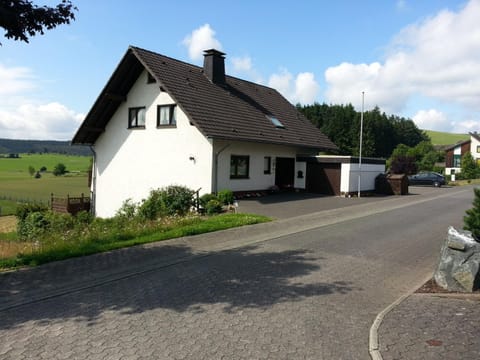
point(418, 59)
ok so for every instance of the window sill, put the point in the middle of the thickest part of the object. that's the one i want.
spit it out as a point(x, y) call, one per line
point(239, 178)
point(136, 128)
point(166, 126)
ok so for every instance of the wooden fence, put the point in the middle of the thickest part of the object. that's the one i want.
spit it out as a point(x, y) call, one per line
point(71, 205)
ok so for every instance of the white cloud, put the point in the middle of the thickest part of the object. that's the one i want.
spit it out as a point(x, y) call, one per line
point(306, 88)
point(14, 80)
point(242, 64)
point(23, 116)
point(282, 82)
point(199, 40)
point(301, 89)
point(52, 121)
point(437, 58)
point(466, 126)
point(432, 120)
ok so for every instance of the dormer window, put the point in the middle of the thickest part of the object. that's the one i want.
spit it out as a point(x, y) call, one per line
point(277, 123)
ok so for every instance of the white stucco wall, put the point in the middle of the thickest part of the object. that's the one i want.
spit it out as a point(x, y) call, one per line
point(368, 173)
point(474, 144)
point(131, 162)
point(300, 183)
point(257, 179)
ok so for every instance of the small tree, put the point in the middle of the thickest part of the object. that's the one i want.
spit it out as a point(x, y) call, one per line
point(31, 170)
point(59, 169)
point(403, 164)
point(472, 219)
point(468, 166)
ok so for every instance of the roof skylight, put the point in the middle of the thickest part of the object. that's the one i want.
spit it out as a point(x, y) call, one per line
point(275, 121)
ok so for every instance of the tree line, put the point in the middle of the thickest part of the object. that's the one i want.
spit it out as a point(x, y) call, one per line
point(382, 133)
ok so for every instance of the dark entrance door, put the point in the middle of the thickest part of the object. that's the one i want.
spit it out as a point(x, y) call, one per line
point(284, 172)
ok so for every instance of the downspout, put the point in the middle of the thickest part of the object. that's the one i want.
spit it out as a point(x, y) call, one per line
point(93, 187)
point(215, 176)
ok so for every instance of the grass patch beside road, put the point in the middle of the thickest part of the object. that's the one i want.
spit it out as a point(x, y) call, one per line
point(104, 236)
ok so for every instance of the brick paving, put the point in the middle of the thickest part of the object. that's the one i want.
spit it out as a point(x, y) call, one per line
point(428, 326)
point(283, 290)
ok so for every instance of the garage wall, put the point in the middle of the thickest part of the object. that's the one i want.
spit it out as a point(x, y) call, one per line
point(349, 178)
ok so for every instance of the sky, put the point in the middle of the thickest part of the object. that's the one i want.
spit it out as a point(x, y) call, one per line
point(419, 59)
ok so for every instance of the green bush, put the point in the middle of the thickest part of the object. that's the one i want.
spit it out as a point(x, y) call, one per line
point(179, 200)
point(32, 226)
point(171, 200)
point(24, 209)
point(154, 206)
point(205, 198)
point(226, 197)
point(59, 169)
point(214, 206)
point(128, 210)
point(472, 219)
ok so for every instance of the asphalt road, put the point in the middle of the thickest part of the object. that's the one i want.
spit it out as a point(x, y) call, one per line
point(310, 294)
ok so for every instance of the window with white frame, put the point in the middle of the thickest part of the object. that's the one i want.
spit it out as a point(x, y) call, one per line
point(136, 117)
point(166, 115)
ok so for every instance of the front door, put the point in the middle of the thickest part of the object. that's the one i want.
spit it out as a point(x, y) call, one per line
point(284, 173)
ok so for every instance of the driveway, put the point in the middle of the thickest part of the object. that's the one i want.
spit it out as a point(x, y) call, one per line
point(291, 204)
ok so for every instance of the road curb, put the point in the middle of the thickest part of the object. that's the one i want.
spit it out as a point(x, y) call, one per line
point(373, 344)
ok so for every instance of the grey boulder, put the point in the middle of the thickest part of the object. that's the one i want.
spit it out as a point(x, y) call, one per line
point(459, 264)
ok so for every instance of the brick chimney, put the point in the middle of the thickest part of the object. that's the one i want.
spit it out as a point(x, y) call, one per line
point(214, 66)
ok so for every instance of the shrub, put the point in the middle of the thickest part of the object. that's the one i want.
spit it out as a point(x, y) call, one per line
point(179, 200)
point(153, 207)
point(43, 169)
point(205, 198)
point(128, 210)
point(24, 209)
point(83, 217)
point(59, 169)
point(31, 170)
point(172, 200)
point(226, 197)
point(32, 226)
point(214, 206)
point(472, 219)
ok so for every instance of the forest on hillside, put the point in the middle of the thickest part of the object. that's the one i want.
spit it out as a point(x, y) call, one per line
point(11, 146)
point(382, 133)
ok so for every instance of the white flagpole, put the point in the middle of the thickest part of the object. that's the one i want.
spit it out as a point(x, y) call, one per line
point(361, 139)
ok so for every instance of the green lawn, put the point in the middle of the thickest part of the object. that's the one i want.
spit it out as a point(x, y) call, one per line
point(16, 184)
point(443, 138)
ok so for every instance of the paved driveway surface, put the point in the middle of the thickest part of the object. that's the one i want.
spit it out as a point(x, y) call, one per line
point(300, 295)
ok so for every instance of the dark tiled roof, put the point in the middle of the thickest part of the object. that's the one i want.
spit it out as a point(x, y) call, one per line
point(234, 111)
point(453, 146)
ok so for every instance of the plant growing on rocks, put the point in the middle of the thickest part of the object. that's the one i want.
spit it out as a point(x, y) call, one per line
point(472, 219)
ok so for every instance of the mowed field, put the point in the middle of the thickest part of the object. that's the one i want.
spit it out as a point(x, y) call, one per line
point(16, 184)
point(443, 138)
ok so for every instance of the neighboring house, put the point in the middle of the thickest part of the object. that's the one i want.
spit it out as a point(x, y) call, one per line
point(160, 121)
point(455, 152)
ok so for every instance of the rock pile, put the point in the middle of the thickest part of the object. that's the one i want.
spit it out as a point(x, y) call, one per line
point(459, 265)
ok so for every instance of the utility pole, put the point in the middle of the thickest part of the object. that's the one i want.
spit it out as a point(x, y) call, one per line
point(361, 140)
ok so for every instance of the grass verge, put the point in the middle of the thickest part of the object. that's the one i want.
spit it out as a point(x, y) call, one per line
point(14, 253)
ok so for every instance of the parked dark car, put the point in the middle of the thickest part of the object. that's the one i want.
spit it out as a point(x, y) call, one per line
point(427, 178)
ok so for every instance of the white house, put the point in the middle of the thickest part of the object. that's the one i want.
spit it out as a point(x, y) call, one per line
point(161, 121)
